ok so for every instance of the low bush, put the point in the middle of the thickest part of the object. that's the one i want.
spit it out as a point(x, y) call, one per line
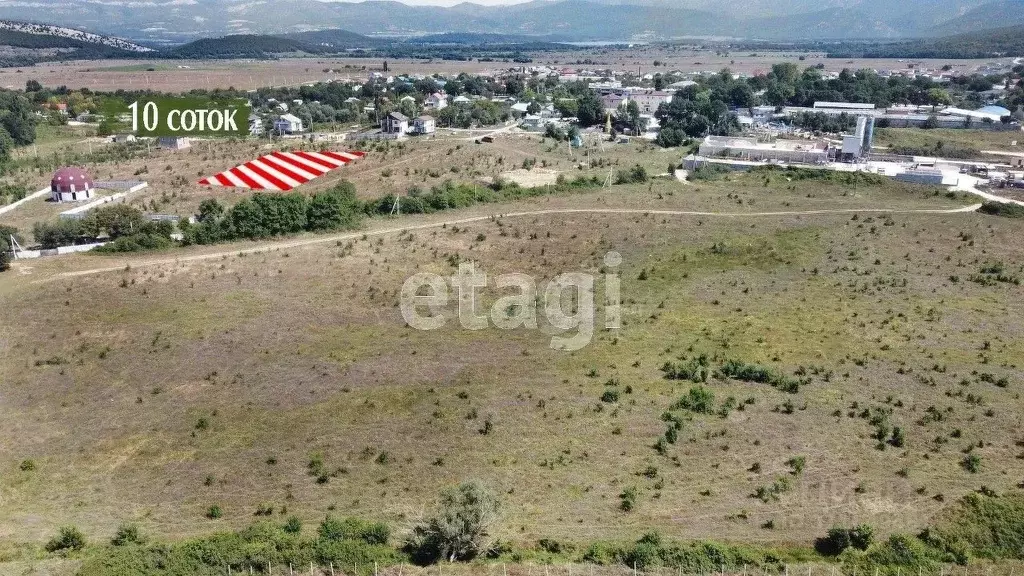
point(1005, 209)
point(127, 534)
point(376, 533)
point(707, 172)
point(981, 526)
point(459, 528)
point(839, 539)
point(68, 538)
point(699, 400)
point(738, 370)
point(695, 370)
point(258, 546)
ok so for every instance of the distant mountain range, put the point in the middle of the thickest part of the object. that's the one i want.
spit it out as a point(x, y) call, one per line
point(167, 22)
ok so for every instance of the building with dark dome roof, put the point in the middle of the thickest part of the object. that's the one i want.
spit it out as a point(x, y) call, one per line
point(71, 184)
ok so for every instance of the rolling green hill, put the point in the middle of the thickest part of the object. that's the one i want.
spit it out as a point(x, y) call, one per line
point(241, 46)
point(335, 38)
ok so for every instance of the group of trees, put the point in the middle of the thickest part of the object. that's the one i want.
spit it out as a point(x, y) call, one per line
point(126, 226)
point(267, 215)
point(481, 112)
point(787, 85)
point(458, 529)
point(11, 193)
point(17, 123)
point(821, 122)
point(695, 112)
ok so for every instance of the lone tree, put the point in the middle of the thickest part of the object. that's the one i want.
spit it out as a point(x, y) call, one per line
point(458, 530)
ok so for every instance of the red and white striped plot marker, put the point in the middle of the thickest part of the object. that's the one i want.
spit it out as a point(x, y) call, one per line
point(281, 171)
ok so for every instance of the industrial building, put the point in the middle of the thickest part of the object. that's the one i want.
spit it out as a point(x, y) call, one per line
point(802, 151)
point(920, 176)
point(848, 107)
point(988, 117)
point(858, 144)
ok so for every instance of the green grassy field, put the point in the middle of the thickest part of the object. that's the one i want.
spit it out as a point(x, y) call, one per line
point(151, 393)
point(975, 140)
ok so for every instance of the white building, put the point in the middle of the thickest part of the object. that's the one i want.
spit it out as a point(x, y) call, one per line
point(424, 125)
point(395, 123)
point(174, 142)
point(845, 106)
point(534, 122)
point(802, 151)
point(436, 101)
point(255, 126)
point(649, 100)
point(288, 124)
point(859, 143)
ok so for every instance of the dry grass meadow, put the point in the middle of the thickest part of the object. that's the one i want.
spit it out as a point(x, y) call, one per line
point(172, 382)
point(184, 75)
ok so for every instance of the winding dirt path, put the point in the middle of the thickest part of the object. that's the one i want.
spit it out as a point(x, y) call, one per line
point(322, 239)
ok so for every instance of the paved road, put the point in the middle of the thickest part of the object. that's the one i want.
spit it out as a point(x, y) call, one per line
point(284, 244)
point(1001, 153)
point(968, 184)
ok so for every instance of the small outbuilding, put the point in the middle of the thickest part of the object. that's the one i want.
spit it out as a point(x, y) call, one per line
point(71, 184)
point(174, 142)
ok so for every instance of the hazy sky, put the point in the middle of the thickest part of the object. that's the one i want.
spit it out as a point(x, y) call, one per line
point(450, 2)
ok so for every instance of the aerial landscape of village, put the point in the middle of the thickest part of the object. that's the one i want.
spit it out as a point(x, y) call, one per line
point(593, 287)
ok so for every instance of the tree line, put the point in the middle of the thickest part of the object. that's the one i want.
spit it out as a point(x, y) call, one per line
point(461, 527)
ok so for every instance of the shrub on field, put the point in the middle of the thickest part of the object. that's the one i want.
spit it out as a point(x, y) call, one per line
point(459, 528)
point(839, 539)
point(699, 399)
point(68, 538)
point(127, 534)
point(1002, 209)
point(707, 172)
point(354, 529)
point(635, 175)
point(980, 525)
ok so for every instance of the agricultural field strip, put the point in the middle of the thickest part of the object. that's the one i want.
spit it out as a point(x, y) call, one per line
point(470, 220)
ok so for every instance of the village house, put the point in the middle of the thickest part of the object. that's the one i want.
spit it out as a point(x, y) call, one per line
point(649, 100)
point(424, 125)
point(255, 126)
point(395, 123)
point(288, 124)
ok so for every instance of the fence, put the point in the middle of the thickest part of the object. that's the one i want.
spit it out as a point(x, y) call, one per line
point(29, 198)
point(59, 251)
point(355, 136)
point(79, 211)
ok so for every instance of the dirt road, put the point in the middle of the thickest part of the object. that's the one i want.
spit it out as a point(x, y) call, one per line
point(284, 244)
